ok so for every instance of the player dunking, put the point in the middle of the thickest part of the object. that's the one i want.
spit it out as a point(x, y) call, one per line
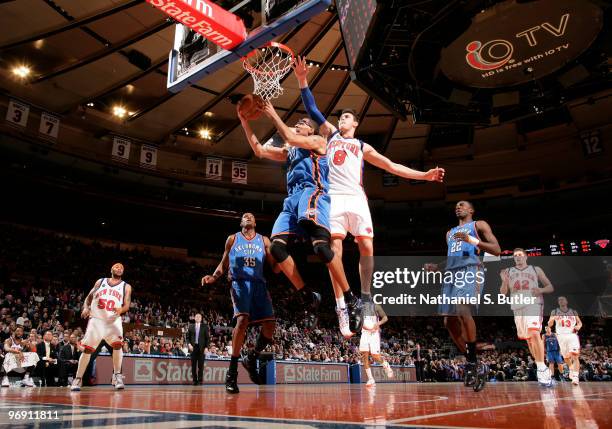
point(567, 324)
point(244, 255)
point(306, 208)
point(465, 243)
point(104, 305)
point(528, 306)
point(349, 212)
point(369, 344)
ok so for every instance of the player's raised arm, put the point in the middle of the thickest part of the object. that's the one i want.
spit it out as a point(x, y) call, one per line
point(313, 142)
point(551, 319)
point(223, 265)
point(89, 298)
point(548, 287)
point(505, 280)
point(260, 151)
point(372, 156)
point(300, 68)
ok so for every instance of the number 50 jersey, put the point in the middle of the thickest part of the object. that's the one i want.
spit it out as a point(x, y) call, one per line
point(247, 257)
point(106, 299)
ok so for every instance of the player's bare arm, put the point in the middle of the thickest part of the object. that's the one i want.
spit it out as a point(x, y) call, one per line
point(375, 158)
point(551, 319)
point(261, 151)
point(548, 287)
point(269, 258)
point(300, 68)
point(578, 324)
point(488, 243)
point(223, 265)
point(9, 349)
point(314, 142)
point(381, 315)
point(505, 281)
point(127, 300)
point(89, 299)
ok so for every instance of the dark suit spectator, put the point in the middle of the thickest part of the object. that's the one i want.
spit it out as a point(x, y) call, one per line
point(198, 338)
point(419, 363)
point(139, 349)
point(47, 352)
point(68, 360)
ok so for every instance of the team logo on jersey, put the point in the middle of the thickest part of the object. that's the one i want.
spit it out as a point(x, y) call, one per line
point(369, 230)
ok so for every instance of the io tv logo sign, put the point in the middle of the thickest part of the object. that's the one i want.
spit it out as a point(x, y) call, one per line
point(497, 53)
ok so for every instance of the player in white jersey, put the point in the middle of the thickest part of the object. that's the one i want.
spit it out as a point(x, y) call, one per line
point(349, 210)
point(567, 324)
point(527, 302)
point(104, 305)
point(369, 344)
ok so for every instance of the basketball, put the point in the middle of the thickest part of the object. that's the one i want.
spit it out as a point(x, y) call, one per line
point(251, 106)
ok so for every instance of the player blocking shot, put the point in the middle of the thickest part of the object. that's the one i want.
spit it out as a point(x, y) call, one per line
point(567, 324)
point(527, 302)
point(306, 209)
point(369, 343)
point(104, 305)
point(244, 256)
point(349, 210)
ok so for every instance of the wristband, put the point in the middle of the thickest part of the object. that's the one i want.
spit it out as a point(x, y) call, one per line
point(473, 240)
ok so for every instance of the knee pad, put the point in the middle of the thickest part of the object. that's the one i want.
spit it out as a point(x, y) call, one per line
point(278, 249)
point(323, 251)
point(118, 345)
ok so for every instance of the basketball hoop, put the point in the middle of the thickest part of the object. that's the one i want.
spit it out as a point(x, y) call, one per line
point(267, 66)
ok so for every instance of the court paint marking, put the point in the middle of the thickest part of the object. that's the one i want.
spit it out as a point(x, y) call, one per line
point(494, 407)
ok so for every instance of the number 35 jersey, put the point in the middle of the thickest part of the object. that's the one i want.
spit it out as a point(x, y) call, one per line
point(106, 299)
point(345, 160)
point(247, 257)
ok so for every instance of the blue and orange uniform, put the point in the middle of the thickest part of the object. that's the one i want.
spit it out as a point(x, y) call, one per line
point(463, 262)
point(553, 354)
point(250, 295)
point(307, 192)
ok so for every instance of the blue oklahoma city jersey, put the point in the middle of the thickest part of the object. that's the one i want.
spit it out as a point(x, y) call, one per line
point(247, 257)
point(552, 345)
point(460, 253)
point(305, 168)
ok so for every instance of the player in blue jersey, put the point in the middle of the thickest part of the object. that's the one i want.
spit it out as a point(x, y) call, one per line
point(465, 243)
point(244, 256)
point(553, 354)
point(306, 208)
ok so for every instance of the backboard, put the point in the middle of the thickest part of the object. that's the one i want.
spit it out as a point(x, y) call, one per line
point(193, 57)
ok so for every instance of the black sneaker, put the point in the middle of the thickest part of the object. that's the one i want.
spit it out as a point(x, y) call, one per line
point(355, 310)
point(481, 376)
point(249, 362)
point(231, 382)
point(312, 299)
point(470, 374)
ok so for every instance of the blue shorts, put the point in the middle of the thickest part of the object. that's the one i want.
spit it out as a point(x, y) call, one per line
point(305, 204)
point(253, 299)
point(465, 283)
point(554, 357)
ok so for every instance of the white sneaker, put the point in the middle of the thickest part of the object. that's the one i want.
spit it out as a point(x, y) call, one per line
point(388, 369)
point(119, 382)
point(113, 379)
point(544, 378)
point(76, 384)
point(27, 381)
point(5, 382)
point(371, 383)
point(343, 321)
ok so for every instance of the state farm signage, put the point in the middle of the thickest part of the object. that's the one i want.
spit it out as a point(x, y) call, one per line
point(513, 43)
point(296, 373)
point(205, 17)
point(149, 370)
point(401, 374)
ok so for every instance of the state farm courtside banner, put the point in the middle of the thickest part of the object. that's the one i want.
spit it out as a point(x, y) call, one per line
point(401, 374)
point(164, 370)
point(307, 372)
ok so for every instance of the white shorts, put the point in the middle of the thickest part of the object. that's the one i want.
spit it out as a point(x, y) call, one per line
point(569, 344)
point(97, 330)
point(526, 320)
point(370, 342)
point(350, 213)
point(11, 363)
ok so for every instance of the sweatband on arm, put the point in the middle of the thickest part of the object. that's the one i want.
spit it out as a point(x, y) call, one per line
point(311, 106)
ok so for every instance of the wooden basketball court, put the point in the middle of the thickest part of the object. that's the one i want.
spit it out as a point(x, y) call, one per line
point(439, 405)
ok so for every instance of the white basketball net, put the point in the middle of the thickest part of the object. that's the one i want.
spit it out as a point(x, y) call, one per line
point(268, 66)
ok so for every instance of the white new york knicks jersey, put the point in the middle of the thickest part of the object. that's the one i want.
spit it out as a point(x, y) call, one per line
point(565, 322)
point(106, 299)
point(345, 160)
point(522, 282)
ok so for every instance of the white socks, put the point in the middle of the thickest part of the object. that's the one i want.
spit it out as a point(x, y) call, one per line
point(340, 303)
point(117, 361)
point(369, 373)
point(541, 366)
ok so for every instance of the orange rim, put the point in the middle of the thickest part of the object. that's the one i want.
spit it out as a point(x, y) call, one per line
point(248, 67)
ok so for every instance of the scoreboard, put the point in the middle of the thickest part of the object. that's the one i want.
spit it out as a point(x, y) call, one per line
point(569, 248)
point(356, 17)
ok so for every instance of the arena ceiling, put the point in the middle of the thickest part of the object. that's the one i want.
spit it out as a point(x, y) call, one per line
point(88, 57)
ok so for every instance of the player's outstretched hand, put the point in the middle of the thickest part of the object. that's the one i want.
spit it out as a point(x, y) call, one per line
point(300, 67)
point(435, 175)
point(242, 118)
point(206, 280)
point(268, 109)
point(85, 313)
